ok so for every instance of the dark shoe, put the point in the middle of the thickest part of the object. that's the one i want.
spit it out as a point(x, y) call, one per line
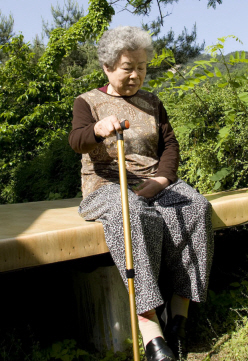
point(176, 336)
point(158, 350)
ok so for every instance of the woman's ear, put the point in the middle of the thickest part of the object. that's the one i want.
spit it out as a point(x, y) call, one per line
point(106, 69)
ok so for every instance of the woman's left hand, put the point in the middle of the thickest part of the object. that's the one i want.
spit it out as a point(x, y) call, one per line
point(152, 186)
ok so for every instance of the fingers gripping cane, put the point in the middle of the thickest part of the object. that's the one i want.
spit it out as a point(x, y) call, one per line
point(127, 239)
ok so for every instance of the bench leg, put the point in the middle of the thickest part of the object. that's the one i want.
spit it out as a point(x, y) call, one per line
point(103, 308)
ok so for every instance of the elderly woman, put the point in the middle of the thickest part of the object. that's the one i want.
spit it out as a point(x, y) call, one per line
point(165, 213)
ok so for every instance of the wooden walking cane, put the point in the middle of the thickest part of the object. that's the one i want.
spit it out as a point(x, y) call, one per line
point(127, 239)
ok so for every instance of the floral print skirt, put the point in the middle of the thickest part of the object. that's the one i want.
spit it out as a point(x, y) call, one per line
point(177, 220)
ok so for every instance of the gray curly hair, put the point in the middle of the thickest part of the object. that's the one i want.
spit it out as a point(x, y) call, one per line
point(115, 41)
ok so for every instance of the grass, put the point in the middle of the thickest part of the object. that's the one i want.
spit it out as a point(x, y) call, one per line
point(221, 324)
point(236, 348)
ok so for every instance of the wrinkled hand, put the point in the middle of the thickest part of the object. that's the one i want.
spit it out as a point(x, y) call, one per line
point(152, 186)
point(107, 127)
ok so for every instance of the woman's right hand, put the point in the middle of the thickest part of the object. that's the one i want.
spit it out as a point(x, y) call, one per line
point(107, 127)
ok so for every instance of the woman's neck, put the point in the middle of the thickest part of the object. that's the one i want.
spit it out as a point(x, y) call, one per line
point(111, 91)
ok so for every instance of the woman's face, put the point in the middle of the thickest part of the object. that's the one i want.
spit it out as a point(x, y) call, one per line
point(128, 74)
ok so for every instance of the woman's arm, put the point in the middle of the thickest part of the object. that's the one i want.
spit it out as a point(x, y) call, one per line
point(168, 148)
point(86, 132)
point(82, 137)
point(168, 152)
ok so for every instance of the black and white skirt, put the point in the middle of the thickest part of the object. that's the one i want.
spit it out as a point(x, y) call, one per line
point(178, 219)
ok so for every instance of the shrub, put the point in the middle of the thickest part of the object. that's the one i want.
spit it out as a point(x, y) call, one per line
point(54, 173)
point(210, 118)
point(214, 149)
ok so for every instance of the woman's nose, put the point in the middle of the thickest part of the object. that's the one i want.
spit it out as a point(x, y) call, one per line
point(134, 74)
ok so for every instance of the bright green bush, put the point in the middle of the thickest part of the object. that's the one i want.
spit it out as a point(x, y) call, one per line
point(214, 149)
point(209, 118)
point(36, 101)
point(54, 173)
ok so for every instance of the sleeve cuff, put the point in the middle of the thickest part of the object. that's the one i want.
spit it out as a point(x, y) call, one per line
point(99, 139)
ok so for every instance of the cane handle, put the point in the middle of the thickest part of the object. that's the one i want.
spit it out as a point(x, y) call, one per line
point(125, 124)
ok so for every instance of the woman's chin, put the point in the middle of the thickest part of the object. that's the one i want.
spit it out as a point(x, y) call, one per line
point(130, 91)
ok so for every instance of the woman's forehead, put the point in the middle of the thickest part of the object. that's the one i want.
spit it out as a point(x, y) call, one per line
point(130, 62)
point(138, 56)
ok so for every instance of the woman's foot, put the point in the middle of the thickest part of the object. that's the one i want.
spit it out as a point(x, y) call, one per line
point(158, 350)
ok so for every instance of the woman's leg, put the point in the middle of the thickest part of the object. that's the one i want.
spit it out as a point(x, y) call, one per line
point(188, 242)
point(105, 206)
point(149, 326)
point(179, 306)
point(155, 345)
point(188, 239)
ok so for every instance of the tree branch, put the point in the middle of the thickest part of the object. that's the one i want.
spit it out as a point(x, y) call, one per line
point(160, 12)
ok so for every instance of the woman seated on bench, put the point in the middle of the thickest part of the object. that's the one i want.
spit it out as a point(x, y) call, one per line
point(165, 213)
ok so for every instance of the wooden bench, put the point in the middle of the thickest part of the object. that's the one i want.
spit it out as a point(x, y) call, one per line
point(43, 233)
point(38, 233)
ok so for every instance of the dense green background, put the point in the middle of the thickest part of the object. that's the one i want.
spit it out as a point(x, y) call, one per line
point(206, 99)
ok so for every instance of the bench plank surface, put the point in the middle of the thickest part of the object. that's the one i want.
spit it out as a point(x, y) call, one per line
point(38, 233)
point(229, 208)
point(46, 232)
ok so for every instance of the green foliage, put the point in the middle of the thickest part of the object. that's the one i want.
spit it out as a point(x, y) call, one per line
point(214, 148)
point(230, 305)
point(184, 47)
point(6, 28)
point(38, 48)
point(36, 99)
point(67, 351)
point(210, 119)
point(65, 17)
point(53, 174)
point(214, 325)
point(6, 32)
point(63, 41)
point(37, 94)
point(226, 322)
point(83, 58)
point(13, 349)
point(237, 347)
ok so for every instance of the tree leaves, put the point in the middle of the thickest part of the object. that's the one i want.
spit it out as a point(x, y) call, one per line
point(36, 99)
point(243, 96)
point(217, 72)
point(212, 125)
point(62, 41)
point(220, 176)
point(209, 73)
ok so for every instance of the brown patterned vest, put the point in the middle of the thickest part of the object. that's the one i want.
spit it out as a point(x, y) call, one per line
point(100, 166)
